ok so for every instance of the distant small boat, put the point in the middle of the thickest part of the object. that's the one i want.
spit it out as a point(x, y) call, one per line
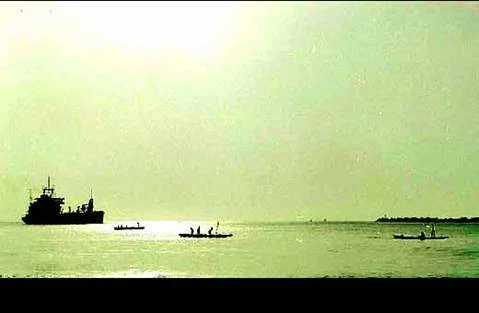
point(418, 237)
point(126, 227)
point(186, 235)
point(422, 236)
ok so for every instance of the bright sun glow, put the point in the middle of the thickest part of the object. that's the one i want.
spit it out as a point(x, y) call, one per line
point(193, 27)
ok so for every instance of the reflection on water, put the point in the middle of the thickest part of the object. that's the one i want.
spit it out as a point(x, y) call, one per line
point(255, 250)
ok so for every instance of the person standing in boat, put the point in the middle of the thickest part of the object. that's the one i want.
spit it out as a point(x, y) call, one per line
point(210, 230)
point(433, 231)
point(198, 230)
point(192, 230)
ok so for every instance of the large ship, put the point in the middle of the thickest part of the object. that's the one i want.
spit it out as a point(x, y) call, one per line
point(48, 209)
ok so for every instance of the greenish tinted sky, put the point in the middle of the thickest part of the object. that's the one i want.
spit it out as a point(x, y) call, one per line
point(271, 111)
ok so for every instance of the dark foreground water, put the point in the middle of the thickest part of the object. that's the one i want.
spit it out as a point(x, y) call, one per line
point(331, 249)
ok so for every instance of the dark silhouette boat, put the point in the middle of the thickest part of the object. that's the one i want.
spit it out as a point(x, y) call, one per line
point(48, 210)
point(411, 237)
point(126, 227)
point(198, 234)
point(187, 235)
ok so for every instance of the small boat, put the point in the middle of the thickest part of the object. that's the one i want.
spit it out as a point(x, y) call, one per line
point(185, 235)
point(208, 235)
point(126, 227)
point(422, 236)
point(418, 237)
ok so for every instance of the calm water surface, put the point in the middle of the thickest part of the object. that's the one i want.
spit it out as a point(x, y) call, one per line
point(330, 249)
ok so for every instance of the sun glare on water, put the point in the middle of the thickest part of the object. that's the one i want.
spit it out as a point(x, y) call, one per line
point(197, 28)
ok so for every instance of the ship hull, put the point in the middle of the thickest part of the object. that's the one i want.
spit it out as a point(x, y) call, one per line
point(66, 219)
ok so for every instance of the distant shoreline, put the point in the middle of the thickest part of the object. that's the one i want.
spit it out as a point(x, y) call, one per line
point(460, 220)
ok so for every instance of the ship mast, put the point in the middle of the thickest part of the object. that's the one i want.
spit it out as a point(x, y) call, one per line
point(49, 189)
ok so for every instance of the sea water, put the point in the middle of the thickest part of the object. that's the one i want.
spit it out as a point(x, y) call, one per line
point(257, 249)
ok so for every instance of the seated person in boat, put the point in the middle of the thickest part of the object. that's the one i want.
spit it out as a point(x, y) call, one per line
point(422, 236)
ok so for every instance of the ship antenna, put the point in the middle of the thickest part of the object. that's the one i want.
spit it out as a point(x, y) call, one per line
point(91, 193)
point(30, 195)
point(48, 181)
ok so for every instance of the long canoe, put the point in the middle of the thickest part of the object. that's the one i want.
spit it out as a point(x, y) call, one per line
point(418, 237)
point(205, 235)
point(128, 227)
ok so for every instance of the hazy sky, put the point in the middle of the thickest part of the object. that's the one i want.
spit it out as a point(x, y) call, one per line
point(244, 111)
